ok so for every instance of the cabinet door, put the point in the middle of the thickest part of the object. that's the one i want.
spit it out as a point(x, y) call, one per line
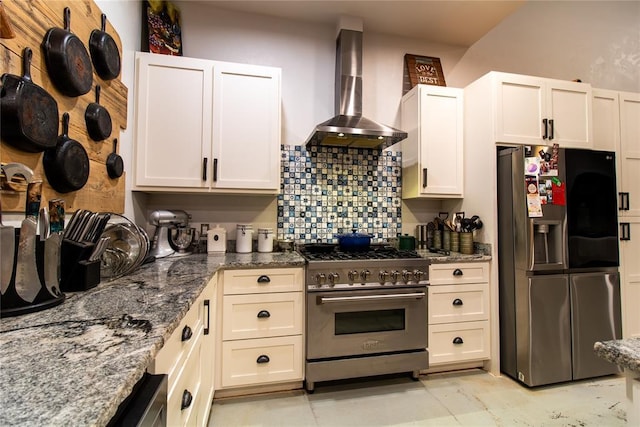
point(173, 129)
point(520, 109)
point(630, 278)
point(207, 362)
point(569, 107)
point(606, 120)
point(441, 139)
point(629, 154)
point(246, 126)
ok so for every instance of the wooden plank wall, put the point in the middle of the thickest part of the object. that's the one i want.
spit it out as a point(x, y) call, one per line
point(30, 20)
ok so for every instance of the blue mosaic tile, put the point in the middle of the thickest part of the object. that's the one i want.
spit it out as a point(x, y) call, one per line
point(329, 190)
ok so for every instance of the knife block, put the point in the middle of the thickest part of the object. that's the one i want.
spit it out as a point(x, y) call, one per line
point(77, 272)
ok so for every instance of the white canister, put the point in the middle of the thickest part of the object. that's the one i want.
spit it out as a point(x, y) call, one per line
point(216, 240)
point(244, 235)
point(265, 239)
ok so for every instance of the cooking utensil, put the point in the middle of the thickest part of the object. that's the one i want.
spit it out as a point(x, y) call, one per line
point(67, 60)
point(104, 52)
point(406, 243)
point(52, 264)
point(97, 119)
point(43, 223)
point(27, 281)
point(7, 247)
point(29, 113)
point(56, 215)
point(354, 241)
point(115, 165)
point(66, 165)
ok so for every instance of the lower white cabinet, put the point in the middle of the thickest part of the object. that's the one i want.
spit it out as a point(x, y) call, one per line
point(187, 359)
point(261, 313)
point(630, 276)
point(459, 313)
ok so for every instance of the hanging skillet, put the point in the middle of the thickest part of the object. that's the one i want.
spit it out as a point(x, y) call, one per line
point(104, 52)
point(29, 114)
point(115, 165)
point(97, 119)
point(67, 165)
point(68, 62)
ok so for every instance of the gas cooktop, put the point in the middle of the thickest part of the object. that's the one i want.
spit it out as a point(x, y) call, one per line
point(329, 252)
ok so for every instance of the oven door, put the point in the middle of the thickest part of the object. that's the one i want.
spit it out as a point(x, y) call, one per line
point(364, 322)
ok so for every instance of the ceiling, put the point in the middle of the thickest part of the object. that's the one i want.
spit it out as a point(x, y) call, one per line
point(459, 23)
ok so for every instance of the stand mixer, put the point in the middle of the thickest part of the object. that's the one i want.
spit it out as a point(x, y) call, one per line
point(172, 235)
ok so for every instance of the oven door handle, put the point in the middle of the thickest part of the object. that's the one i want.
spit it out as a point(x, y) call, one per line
point(415, 295)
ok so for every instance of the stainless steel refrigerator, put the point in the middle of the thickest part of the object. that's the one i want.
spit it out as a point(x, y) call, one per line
point(558, 262)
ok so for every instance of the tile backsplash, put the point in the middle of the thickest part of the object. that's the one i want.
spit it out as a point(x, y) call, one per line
point(332, 190)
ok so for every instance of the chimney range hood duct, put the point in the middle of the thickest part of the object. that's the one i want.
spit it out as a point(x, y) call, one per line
point(349, 128)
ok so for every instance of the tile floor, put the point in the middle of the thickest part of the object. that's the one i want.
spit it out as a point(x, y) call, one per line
point(469, 398)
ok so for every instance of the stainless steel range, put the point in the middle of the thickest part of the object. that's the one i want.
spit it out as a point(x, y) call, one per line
point(366, 313)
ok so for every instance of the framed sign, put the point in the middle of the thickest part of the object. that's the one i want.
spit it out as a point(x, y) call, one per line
point(422, 70)
point(161, 31)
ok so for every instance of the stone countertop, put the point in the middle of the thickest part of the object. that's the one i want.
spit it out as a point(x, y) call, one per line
point(74, 363)
point(437, 258)
point(624, 353)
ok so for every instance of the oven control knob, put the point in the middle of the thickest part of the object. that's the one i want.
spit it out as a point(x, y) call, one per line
point(418, 275)
point(394, 276)
point(383, 275)
point(364, 274)
point(406, 276)
point(321, 279)
point(353, 275)
point(333, 278)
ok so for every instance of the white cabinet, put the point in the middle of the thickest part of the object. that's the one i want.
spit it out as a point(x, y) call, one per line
point(261, 341)
point(630, 276)
point(539, 111)
point(629, 154)
point(432, 163)
point(188, 358)
point(206, 126)
point(459, 304)
point(606, 120)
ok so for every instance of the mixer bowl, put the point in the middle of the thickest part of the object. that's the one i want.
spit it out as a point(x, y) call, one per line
point(180, 238)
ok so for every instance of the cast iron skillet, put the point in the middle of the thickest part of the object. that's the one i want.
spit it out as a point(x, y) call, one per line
point(97, 119)
point(29, 113)
point(115, 165)
point(104, 52)
point(67, 165)
point(68, 62)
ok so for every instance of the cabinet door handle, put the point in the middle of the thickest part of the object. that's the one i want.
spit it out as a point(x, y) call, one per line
point(624, 201)
point(264, 314)
point(215, 170)
point(187, 398)
point(207, 304)
point(546, 129)
point(424, 177)
point(551, 126)
point(457, 272)
point(458, 340)
point(187, 333)
point(264, 279)
point(457, 301)
point(263, 358)
point(625, 231)
point(205, 161)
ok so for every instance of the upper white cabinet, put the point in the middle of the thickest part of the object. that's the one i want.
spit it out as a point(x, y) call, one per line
point(606, 120)
point(206, 126)
point(432, 162)
point(539, 111)
point(629, 154)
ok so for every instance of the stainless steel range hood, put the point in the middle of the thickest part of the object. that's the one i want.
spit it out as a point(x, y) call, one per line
point(348, 128)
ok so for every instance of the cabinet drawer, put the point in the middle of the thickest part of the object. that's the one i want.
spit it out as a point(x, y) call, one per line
point(474, 346)
point(456, 303)
point(262, 315)
point(240, 361)
point(188, 382)
point(262, 280)
point(450, 274)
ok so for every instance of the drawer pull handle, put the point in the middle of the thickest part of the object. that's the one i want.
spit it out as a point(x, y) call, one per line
point(457, 272)
point(263, 358)
point(187, 398)
point(187, 333)
point(457, 301)
point(264, 279)
point(458, 340)
point(263, 314)
point(207, 304)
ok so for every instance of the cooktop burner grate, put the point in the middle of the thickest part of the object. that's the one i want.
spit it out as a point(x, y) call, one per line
point(333, 253)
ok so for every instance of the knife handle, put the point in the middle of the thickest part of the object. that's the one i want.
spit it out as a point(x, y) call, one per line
point(56, 215)
point(34, 195)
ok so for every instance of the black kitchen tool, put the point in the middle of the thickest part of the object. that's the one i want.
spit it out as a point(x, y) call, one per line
point(104, 52)
point(97, 119)
point(115, 165)
point(29, 113)
point(67, 60)
point(67, 165)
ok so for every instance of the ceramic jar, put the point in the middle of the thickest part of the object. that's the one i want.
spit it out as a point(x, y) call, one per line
point(244, 237)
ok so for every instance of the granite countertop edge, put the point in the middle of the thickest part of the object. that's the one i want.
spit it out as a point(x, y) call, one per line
point(624, 352)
